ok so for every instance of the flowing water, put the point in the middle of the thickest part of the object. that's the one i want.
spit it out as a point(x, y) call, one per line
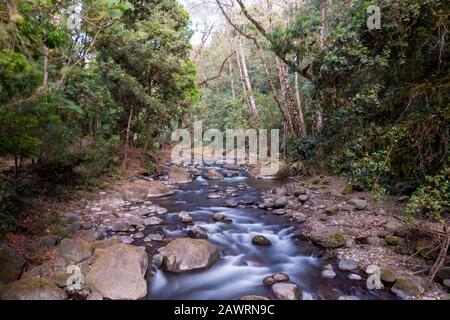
point(242, 266)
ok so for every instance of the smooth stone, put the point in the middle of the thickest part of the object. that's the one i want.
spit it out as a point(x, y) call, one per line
point(33, 289)
point(212, 175)
point(94, 296)
point(161, 211)
point(213, 196)
point(186, 254)
point(72, 217)
point(331, 211)
point(152, 221)
point(118, 272)
point(280, 277)
point(303, 198)
point(184, 217)
point(260, 240)
point(153, 237)
point(218, 217)
point(348, 298)
point(388, 276)
point(280, 202)
point(231, 203)
point(299, 217)
point(49, 241)
point(197, 233)
point(328, 237)
point(74, 251)
point(355, 277)
point(11, 264)
point(408, 287)
point(179, 175)
point(348, 265)
point(328, 274)
point(279, 212)
point(358, 204)
point(253, 297)
point(127, 240)
point(286, 291)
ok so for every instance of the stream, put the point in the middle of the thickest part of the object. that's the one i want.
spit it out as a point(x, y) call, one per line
point(242, 265)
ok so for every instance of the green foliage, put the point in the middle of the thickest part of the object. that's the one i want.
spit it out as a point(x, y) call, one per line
point(432, 199)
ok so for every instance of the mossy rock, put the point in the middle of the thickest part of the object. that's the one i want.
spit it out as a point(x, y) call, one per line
point(395, 241)
point(388, 276)
point(408, 287)
point(347, 189)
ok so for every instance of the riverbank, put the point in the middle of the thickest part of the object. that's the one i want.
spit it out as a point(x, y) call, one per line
point(348, 231)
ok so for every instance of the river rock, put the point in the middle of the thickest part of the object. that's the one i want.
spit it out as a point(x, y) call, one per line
point(153, 221)
point(260, 240)
point(127, 240)
point(280, 277)
point(388, 276)
point(49, 241)
point(347, 265)
point(299, 217)
point(118, 272)
point(140, 190)
point(89, 235)
point(394, 241)
point(268, 281)
point(187, 254)
point(94, 296)
point(287, 291)
point(212, 175)
point(179, 175)
point(153, 237)
point(253, 297)
point(121, 227)
point(197, 233)
point(348, 298)
point(280, 202)
point(355, 277)
point(331, 211)
point(328, 237)
point(214, 196)
point(161, 210)
point(11, 264)
point(33, 289)
point(279, 212)
point(71, 217)
point(358, 204)
point(74, 251)
point(303, 198)
point(185, 217)
point(231, 203)
point(446, 283)
point(218, 217)
point(328, 274)
point(392, 226)
point(408, 287)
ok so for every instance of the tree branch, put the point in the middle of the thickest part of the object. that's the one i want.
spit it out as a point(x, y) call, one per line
point(218, 75)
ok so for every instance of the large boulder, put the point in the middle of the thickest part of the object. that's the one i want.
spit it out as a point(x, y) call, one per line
point(187, 254)
point(11, 265)
point(179, 175)
point(408, 287)
point(118, 272)
point(74, 251)
point(328, 237)
point(33, 289)
point(212, 175)
point(140, 190)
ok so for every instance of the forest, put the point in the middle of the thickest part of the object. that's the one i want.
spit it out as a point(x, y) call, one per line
point(91, 91)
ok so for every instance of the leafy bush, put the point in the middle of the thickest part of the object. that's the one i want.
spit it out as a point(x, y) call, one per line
point(433, 198)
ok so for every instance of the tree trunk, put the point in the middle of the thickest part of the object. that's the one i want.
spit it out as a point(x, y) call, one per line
point(323, 30)
point(127, 137)
point(247, 83)
point(233, 90)
point(45, 81)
